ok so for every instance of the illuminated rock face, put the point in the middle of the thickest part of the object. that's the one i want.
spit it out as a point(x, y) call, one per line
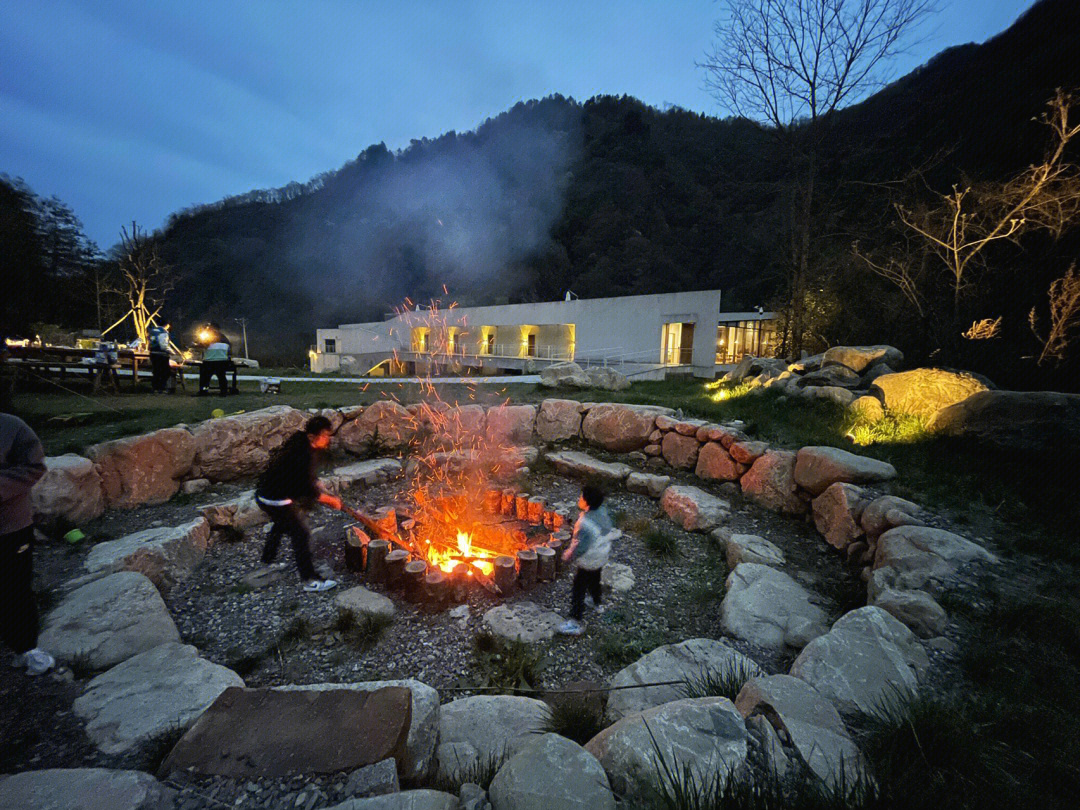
point(836, 514)
point(144, 469)
point(694, 509)
point(238, 446)
point(770, 482)
point(558, 420)
point(817, 468)
point(925, 391)
point(620, 428)
point(70, 490)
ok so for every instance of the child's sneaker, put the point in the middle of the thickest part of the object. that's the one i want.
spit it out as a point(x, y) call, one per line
point(571, 628)
point(318, 585)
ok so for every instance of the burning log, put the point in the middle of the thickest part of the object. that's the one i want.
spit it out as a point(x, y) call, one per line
point(545, 563)
point(535, 506)
point(376, 559)
point(508, 500)
point(395, 566)
point(415, 572)
point(521, 506)
point(526, 568)
point(386, 521)
point(486, 582)
point(436, 586)
point(558, 519)
point(505, 574)
point(492, 501)
point(356, 543)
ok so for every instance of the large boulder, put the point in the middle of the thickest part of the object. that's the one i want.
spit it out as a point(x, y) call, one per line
point(694, 509)
point(70, 490)
point(526, 622)
point(925, 391)
point(108, 621)
point(240, 513)
point(648, 484)
point(817, 733)
point(740, 548)
point(607, 379)
point(816, 468)
point(769, 609)
point(690, 661)
point(1034, 423)
point(274, 734)
point(699, 736)
point(165, 554)
point(770, 482)
point(921, 557)
point(620, 428)
point(680, 451)
point(509, 425)
point(550, 772)
point(363, 602)
point(867, 659)
point(833, 393)
point(558, 420)
point(384, 425)
point(836, 514)
point(831, 377)
point(881, 513)
point(917, 609)
point(423, 731)
point(714, 463)
point(238, 446)
point(564, 375)
point(406, 800)
point(150, 695)
point(859, 358)
point(84, 789)
point(143, 469)
point(582, 465)
point(474, 731)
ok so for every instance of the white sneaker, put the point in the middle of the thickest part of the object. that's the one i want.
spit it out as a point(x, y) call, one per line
point(38, 662)
point(571, 628)
point(317, 585)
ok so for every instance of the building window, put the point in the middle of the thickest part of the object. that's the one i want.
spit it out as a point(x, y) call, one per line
point(330, 346)
point(736, 339)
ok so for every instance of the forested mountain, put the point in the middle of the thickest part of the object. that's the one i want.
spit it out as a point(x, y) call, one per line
point(611, 197)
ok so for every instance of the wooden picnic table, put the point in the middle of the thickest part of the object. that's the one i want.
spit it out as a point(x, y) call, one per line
point(68, 358)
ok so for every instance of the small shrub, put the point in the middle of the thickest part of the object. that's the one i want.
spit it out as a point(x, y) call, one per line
point(344, 621)
point(726, 682)
point(480, 773)
point(154, 750)
point(577, 716)
point(298, 630)
point(367, 630)
point(660, 542)
point(512, 667)
point(80, 666)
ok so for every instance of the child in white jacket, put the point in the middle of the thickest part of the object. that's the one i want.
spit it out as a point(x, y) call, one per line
point(590, 547)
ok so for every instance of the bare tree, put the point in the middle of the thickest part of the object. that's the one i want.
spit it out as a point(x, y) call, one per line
point(143, 280)
point(789, 64)
point(1064, 297)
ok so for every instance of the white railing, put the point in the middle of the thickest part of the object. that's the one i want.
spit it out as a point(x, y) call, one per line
point(516, 351)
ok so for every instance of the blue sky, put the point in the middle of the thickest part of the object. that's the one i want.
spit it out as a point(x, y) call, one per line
point(132, 109)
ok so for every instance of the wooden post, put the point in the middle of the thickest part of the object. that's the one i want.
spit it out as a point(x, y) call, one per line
point(415, 572)
point(386, 521)
point(536, 510)
point(356, 541)
point(521, 506)
point(557, 546)
point(505, 574)
point(508, 499)
point(376, 559)
point(545, 563)
point(459, 582)
point(526, 568)
point(492, 501)
point(435, 585)
point(549, 517)
point(395, 566)
point(558, 519)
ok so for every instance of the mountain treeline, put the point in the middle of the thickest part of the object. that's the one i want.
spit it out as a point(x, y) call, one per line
point(610, 197)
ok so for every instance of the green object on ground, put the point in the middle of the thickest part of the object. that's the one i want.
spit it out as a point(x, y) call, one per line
point(75, 536)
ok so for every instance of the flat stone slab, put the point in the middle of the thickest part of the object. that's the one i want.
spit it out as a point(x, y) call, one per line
point(84, 789)
point(522, 621)
point(269, 733)
point(816, 468)
point(164, 554)
point(582, 465)
point(108, 621)
point(241, 512)
point(618, 577)
point(551, 772)
point(694, 509)
point(423, 725)
point(750, 548)
point(648, 484)
point(367, 473)
point(816, 731)
point(866, 658)
point(363, 602)
point(690, 661)
point(264, 577)
point(149, 695)
point(768, 608)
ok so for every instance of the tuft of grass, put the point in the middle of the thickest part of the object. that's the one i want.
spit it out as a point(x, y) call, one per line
point(367, 630)
point(894, 428)
point(576, 716)
point(726, 682)
point(81, 667)
point(636, 525)
point(479, 773)
point(661, 543)
point(154, 750)
point(511, 667)
point(299, 629)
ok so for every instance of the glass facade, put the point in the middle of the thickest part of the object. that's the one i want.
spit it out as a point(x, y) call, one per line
point(734, 339)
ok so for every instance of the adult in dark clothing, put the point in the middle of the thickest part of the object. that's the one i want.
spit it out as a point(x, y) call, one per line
point(217, 361)
point(289, 479)
point(159, 340)
point(22, 463)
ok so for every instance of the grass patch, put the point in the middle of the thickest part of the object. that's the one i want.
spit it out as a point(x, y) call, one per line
point(726, 682)
point(154, 750)
point(616, 649)
point(576, 716)
point(511, 667)
point(636, 526)
point(894, 428)
point(361, 631)
point(81, 667)
point(298, 630)
point(479, 773)
point(660, 542)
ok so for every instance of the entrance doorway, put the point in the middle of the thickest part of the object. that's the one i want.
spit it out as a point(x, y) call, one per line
point(678, 344)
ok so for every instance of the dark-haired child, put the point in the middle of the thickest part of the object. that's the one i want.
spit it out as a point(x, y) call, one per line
point(590, 547)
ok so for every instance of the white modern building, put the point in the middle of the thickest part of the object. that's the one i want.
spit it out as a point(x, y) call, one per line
point(646, 335)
